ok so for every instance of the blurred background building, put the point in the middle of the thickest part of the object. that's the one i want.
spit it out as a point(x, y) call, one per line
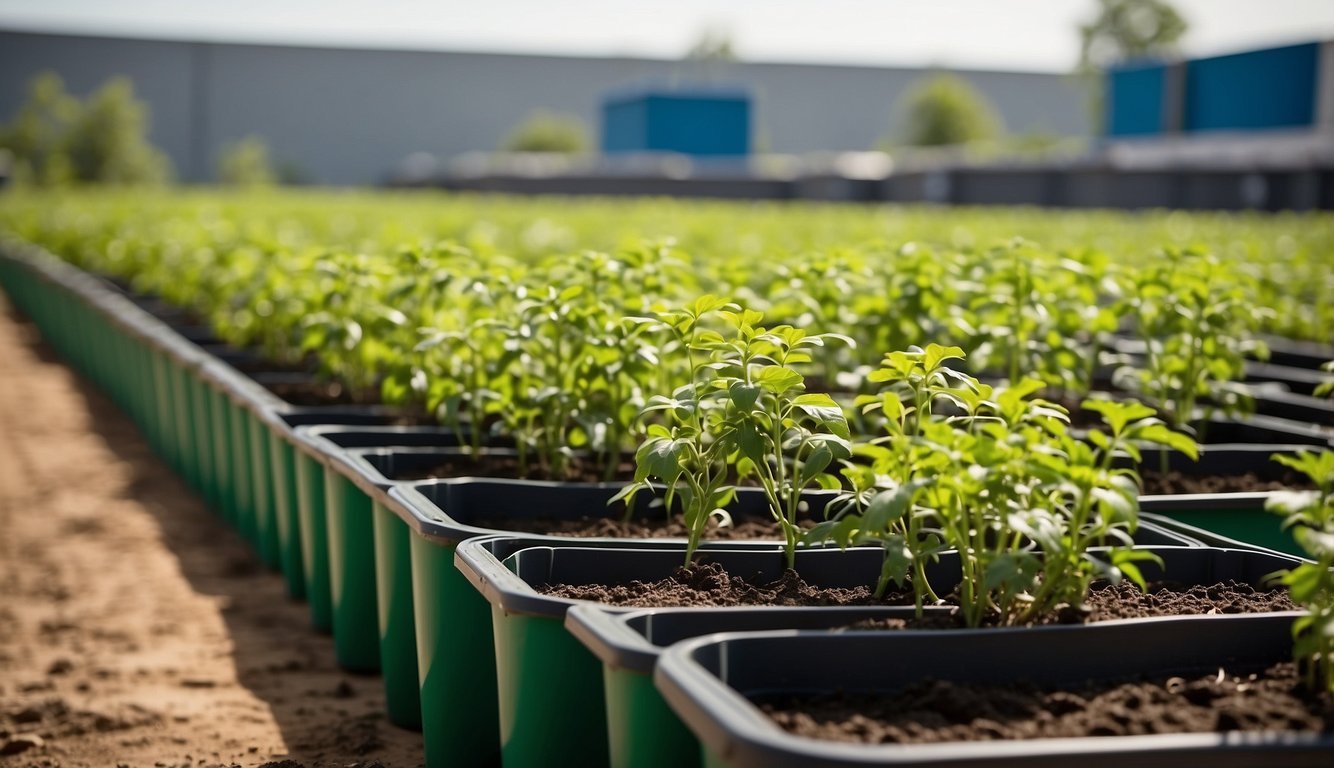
point(1135, 123)
point(349, 116)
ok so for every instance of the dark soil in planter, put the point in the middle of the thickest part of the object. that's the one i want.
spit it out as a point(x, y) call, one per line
point(937, 711)
point(508, 467)
point(587, 527)
point(708, 584)
point(1158, 483)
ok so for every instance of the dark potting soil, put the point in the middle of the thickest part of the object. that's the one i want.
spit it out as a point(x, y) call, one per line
point(587, 527)
point(313, 393)
point(939, 711)
point(508, 467)
point(1156, 483)
point(708, 584)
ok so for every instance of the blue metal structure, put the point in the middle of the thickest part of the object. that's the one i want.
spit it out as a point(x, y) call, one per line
point(1135, 98)
point(698, 122)
point(1272, 88)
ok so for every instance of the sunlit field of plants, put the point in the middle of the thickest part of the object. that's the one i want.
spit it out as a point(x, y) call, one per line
point(988, 388)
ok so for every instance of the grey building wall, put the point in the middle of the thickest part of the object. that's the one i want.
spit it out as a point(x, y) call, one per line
point(348, 116)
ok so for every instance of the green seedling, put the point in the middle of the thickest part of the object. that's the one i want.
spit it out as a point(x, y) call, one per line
point(996, 475)
point(744, 413)
point(1310, 517)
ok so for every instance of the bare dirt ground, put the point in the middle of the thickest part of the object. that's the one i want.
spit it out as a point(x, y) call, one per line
point(135, 628)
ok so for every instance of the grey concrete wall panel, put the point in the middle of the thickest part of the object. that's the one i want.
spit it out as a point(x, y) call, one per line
point(163, 75)
point(348, 116)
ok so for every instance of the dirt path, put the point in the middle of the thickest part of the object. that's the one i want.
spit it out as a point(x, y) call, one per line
point(135, 628)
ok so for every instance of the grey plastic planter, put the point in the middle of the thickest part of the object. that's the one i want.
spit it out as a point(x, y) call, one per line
point(642, 731)
point(707, 680)
point(507, 569)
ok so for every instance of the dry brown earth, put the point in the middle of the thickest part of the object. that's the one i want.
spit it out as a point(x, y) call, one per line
point(135, 628)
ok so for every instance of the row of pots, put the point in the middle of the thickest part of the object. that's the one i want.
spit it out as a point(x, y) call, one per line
point(413, 583)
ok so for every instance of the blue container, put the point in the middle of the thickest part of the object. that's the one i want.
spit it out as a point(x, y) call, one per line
point(696, 122)
point(1272, 88)
point(1135, 100)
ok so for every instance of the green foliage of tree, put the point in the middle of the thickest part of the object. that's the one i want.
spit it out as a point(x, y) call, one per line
point(1124, 30)
point(56, 140)
point(945, 110)
point(713, 44)
point(36, 135)
point(1129, 29)
point(544, 131)
point(246, 163)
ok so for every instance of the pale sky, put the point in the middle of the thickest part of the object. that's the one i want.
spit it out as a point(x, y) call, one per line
point(988, 34)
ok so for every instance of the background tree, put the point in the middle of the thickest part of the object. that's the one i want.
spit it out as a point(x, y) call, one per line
point(1124, 30)
point(36, 136)
point(544, 131)
point(245, 163)
point(713, 44)
point(109, 142)
point(944, 110)
point(55, 139)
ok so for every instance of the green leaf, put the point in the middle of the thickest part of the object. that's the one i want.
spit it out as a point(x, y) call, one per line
point(706, 304)
point(897, 561)
point(1318, 544)
point(818, 460)
point(889, 506)
point(825, 411)
point(1011, 572)
point(661, 458)
point(743, 395)
point(777, 379)
point(936, 354)
point(752, 444)
point(1161, 434)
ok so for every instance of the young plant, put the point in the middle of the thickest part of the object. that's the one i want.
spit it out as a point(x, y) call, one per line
point(1310, 516)
point(1326, 387)
point(881, 508)
point(743, 414)
point(996, 475)
point(688, 451)
point(1197, 327)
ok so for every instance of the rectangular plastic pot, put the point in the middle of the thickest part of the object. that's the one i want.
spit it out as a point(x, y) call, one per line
point(281, 469)
point(505, 571)
point(1295, 407)
point(1259, 429)
point(452, 619)
point(455, 651)
point(1237, 516)
point(1298, 354)
point(707, 680)
point(373, 471)
point(1301, 381)
point(642, 730)
point(339, 552)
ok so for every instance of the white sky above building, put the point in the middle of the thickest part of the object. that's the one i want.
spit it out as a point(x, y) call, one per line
point(1035, 35)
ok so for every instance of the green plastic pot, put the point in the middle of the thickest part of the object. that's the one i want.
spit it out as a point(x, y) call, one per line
point(1234, 517)
point(277, 427)
point(711, 682)
point(455, 651)
point(642, 730)
point(351, 574)
point(314, 539)
point(375, 471)
point(528, 626)
point(263, 503)
point(311, 437)
point(241, 493)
